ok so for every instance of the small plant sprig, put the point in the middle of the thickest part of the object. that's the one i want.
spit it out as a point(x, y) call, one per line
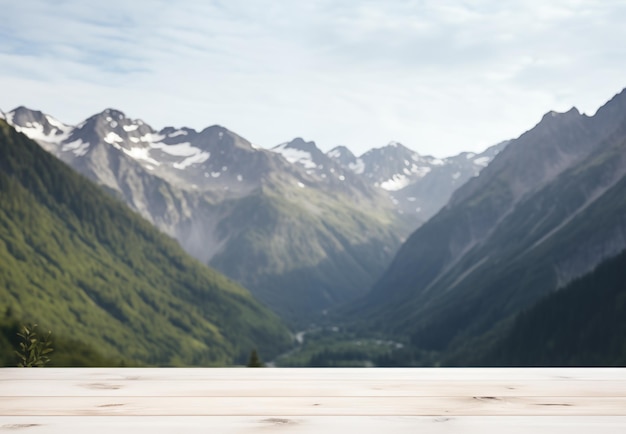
point(33, 350)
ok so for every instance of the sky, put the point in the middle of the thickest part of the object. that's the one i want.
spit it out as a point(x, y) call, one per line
point(440, 77)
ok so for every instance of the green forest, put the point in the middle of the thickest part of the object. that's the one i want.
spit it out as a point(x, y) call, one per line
point(112, 288)
point(583, 324)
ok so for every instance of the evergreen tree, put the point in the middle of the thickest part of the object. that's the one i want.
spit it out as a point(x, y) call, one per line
point(255, 361)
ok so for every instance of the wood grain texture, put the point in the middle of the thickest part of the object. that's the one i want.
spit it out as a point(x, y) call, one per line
point(304, 387)
point(307, 400)
point(178, 374)
point(312, 406)
point(313, 425)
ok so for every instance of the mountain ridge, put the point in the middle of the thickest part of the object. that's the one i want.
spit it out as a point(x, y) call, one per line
point(80, 262)
point(199, 187)
point(498, 243)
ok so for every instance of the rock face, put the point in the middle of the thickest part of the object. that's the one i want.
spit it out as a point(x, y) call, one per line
point(549, 208)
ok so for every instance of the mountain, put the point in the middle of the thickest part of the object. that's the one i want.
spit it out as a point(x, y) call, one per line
point(582, 324)
point(548, 209)
point(343, 156)
point(302, 239)
point(418, 185)
point(328, 174)
point(79, 262)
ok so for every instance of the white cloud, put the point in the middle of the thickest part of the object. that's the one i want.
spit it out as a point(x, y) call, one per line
point(439, 76)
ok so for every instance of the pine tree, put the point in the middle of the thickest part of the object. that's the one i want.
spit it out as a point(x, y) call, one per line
point(255, 361)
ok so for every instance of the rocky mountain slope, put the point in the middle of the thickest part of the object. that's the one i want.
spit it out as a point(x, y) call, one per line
point(403, 172)
point(78, 262)
point(301, 241)
point(418, 186)
point(548, 209)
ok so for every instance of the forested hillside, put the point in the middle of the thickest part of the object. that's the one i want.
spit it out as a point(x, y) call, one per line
point(83, 265)
point(583, 324)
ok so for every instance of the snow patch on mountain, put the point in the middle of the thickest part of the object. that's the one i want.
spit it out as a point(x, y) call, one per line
point(198, 158)
point(397, 182)
point(141, 154)
point(179, 150)
point(296, 156)
point(357, 167)
point(335, 153)
point(152, 138)
point(64, 129)
point(78, 147)
point(36, 131)
point(419, 171)
point(130, 128)
point(113, 139)
point(482, 161)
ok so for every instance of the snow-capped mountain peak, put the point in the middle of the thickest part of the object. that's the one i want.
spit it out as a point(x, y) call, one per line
point(181, 155)
point(419, 185)
point(392, 167)
point(219, 160)
point(298, 151)
point(342, 155)
point(37, 125)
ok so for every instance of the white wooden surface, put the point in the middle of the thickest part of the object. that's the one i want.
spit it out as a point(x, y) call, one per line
point(376, 400)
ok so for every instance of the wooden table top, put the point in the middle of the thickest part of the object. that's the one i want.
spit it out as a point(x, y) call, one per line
point(312, 400)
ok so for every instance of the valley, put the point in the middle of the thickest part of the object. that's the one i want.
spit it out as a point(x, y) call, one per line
point(314, 258)
point(303, 230)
